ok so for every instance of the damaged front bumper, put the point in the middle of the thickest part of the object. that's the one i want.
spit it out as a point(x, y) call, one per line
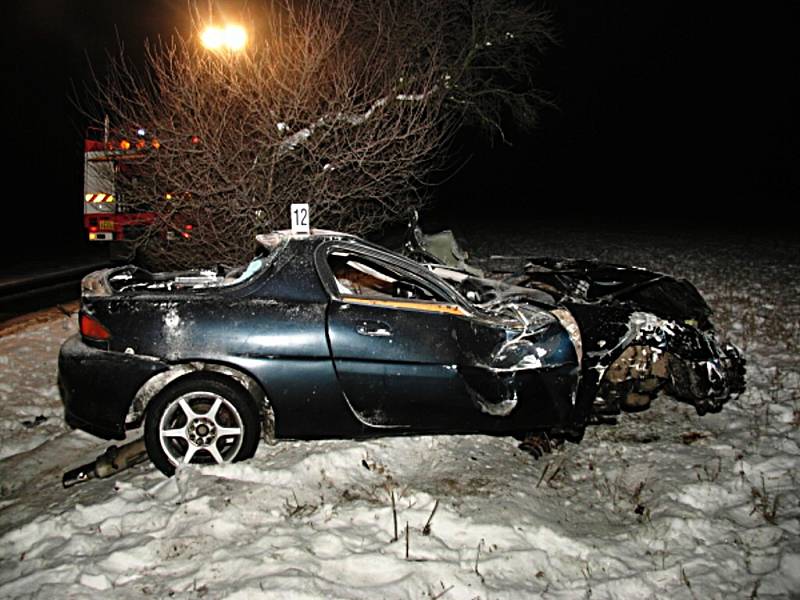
point(708, 384)
point(706, 380)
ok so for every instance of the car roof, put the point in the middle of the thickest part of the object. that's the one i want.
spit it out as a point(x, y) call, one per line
point(316, 237)
point(275, 238)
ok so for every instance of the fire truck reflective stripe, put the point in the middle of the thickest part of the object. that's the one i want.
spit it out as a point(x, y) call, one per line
point(99, 198)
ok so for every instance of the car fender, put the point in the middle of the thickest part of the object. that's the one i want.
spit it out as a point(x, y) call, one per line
point(158, 382)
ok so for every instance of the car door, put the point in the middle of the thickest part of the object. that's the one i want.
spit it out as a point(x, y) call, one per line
point(394, 340)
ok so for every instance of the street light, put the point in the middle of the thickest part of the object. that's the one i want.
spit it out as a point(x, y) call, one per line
point(230, 37)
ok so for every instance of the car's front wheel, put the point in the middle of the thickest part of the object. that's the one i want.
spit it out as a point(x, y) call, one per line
point(200, 420)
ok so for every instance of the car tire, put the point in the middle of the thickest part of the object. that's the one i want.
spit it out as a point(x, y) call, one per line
point(200, 420)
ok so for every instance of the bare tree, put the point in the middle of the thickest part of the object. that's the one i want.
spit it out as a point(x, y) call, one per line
point(349, 109)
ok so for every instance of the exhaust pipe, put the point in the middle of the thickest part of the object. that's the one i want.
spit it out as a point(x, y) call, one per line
point(111, 462)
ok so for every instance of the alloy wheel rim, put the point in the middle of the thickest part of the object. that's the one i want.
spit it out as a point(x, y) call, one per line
point(200, 427)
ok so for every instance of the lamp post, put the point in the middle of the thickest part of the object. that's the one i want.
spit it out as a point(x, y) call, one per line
point(231, 37)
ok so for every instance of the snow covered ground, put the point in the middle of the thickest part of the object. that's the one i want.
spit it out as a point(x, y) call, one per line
point(664, 504)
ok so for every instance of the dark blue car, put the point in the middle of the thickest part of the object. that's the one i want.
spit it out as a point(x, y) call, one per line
point(326, 335)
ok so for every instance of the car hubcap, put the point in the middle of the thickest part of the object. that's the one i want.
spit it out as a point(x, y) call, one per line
point(201, 427)
point(202, 432)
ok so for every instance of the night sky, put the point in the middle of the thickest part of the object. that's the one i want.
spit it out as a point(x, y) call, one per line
point(666, 113)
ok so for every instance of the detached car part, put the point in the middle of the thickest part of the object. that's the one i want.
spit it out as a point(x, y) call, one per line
point(111, 462)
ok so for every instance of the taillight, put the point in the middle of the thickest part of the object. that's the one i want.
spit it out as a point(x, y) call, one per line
point(93, 329)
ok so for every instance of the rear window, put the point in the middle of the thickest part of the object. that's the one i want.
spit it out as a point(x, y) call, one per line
point(132, 278)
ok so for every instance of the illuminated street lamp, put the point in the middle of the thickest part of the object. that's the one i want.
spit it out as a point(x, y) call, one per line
point(230, 37)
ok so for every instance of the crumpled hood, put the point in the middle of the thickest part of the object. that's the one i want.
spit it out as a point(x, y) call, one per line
point(591, 281)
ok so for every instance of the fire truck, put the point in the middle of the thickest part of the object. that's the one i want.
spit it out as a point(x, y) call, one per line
point(108, 215)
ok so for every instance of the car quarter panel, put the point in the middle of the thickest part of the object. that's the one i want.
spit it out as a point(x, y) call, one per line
point(273, 328)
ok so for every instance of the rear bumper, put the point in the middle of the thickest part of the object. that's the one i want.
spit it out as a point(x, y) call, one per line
point(98, 386)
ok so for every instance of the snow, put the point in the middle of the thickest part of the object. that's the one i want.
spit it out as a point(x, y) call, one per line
point(412, 97)
point(664, 504)
point(300, 137)
point(297, 138)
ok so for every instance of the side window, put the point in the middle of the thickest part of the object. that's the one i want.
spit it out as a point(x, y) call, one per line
point(359, 276)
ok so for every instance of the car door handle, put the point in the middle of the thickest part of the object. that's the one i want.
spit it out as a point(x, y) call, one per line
point(374, 329)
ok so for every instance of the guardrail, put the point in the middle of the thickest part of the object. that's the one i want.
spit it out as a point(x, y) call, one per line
point(27, 293)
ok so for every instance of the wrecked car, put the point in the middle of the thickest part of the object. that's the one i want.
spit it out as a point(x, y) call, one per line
point(327, 335)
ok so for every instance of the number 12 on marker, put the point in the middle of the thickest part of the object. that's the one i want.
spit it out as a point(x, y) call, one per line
point(300, 218)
